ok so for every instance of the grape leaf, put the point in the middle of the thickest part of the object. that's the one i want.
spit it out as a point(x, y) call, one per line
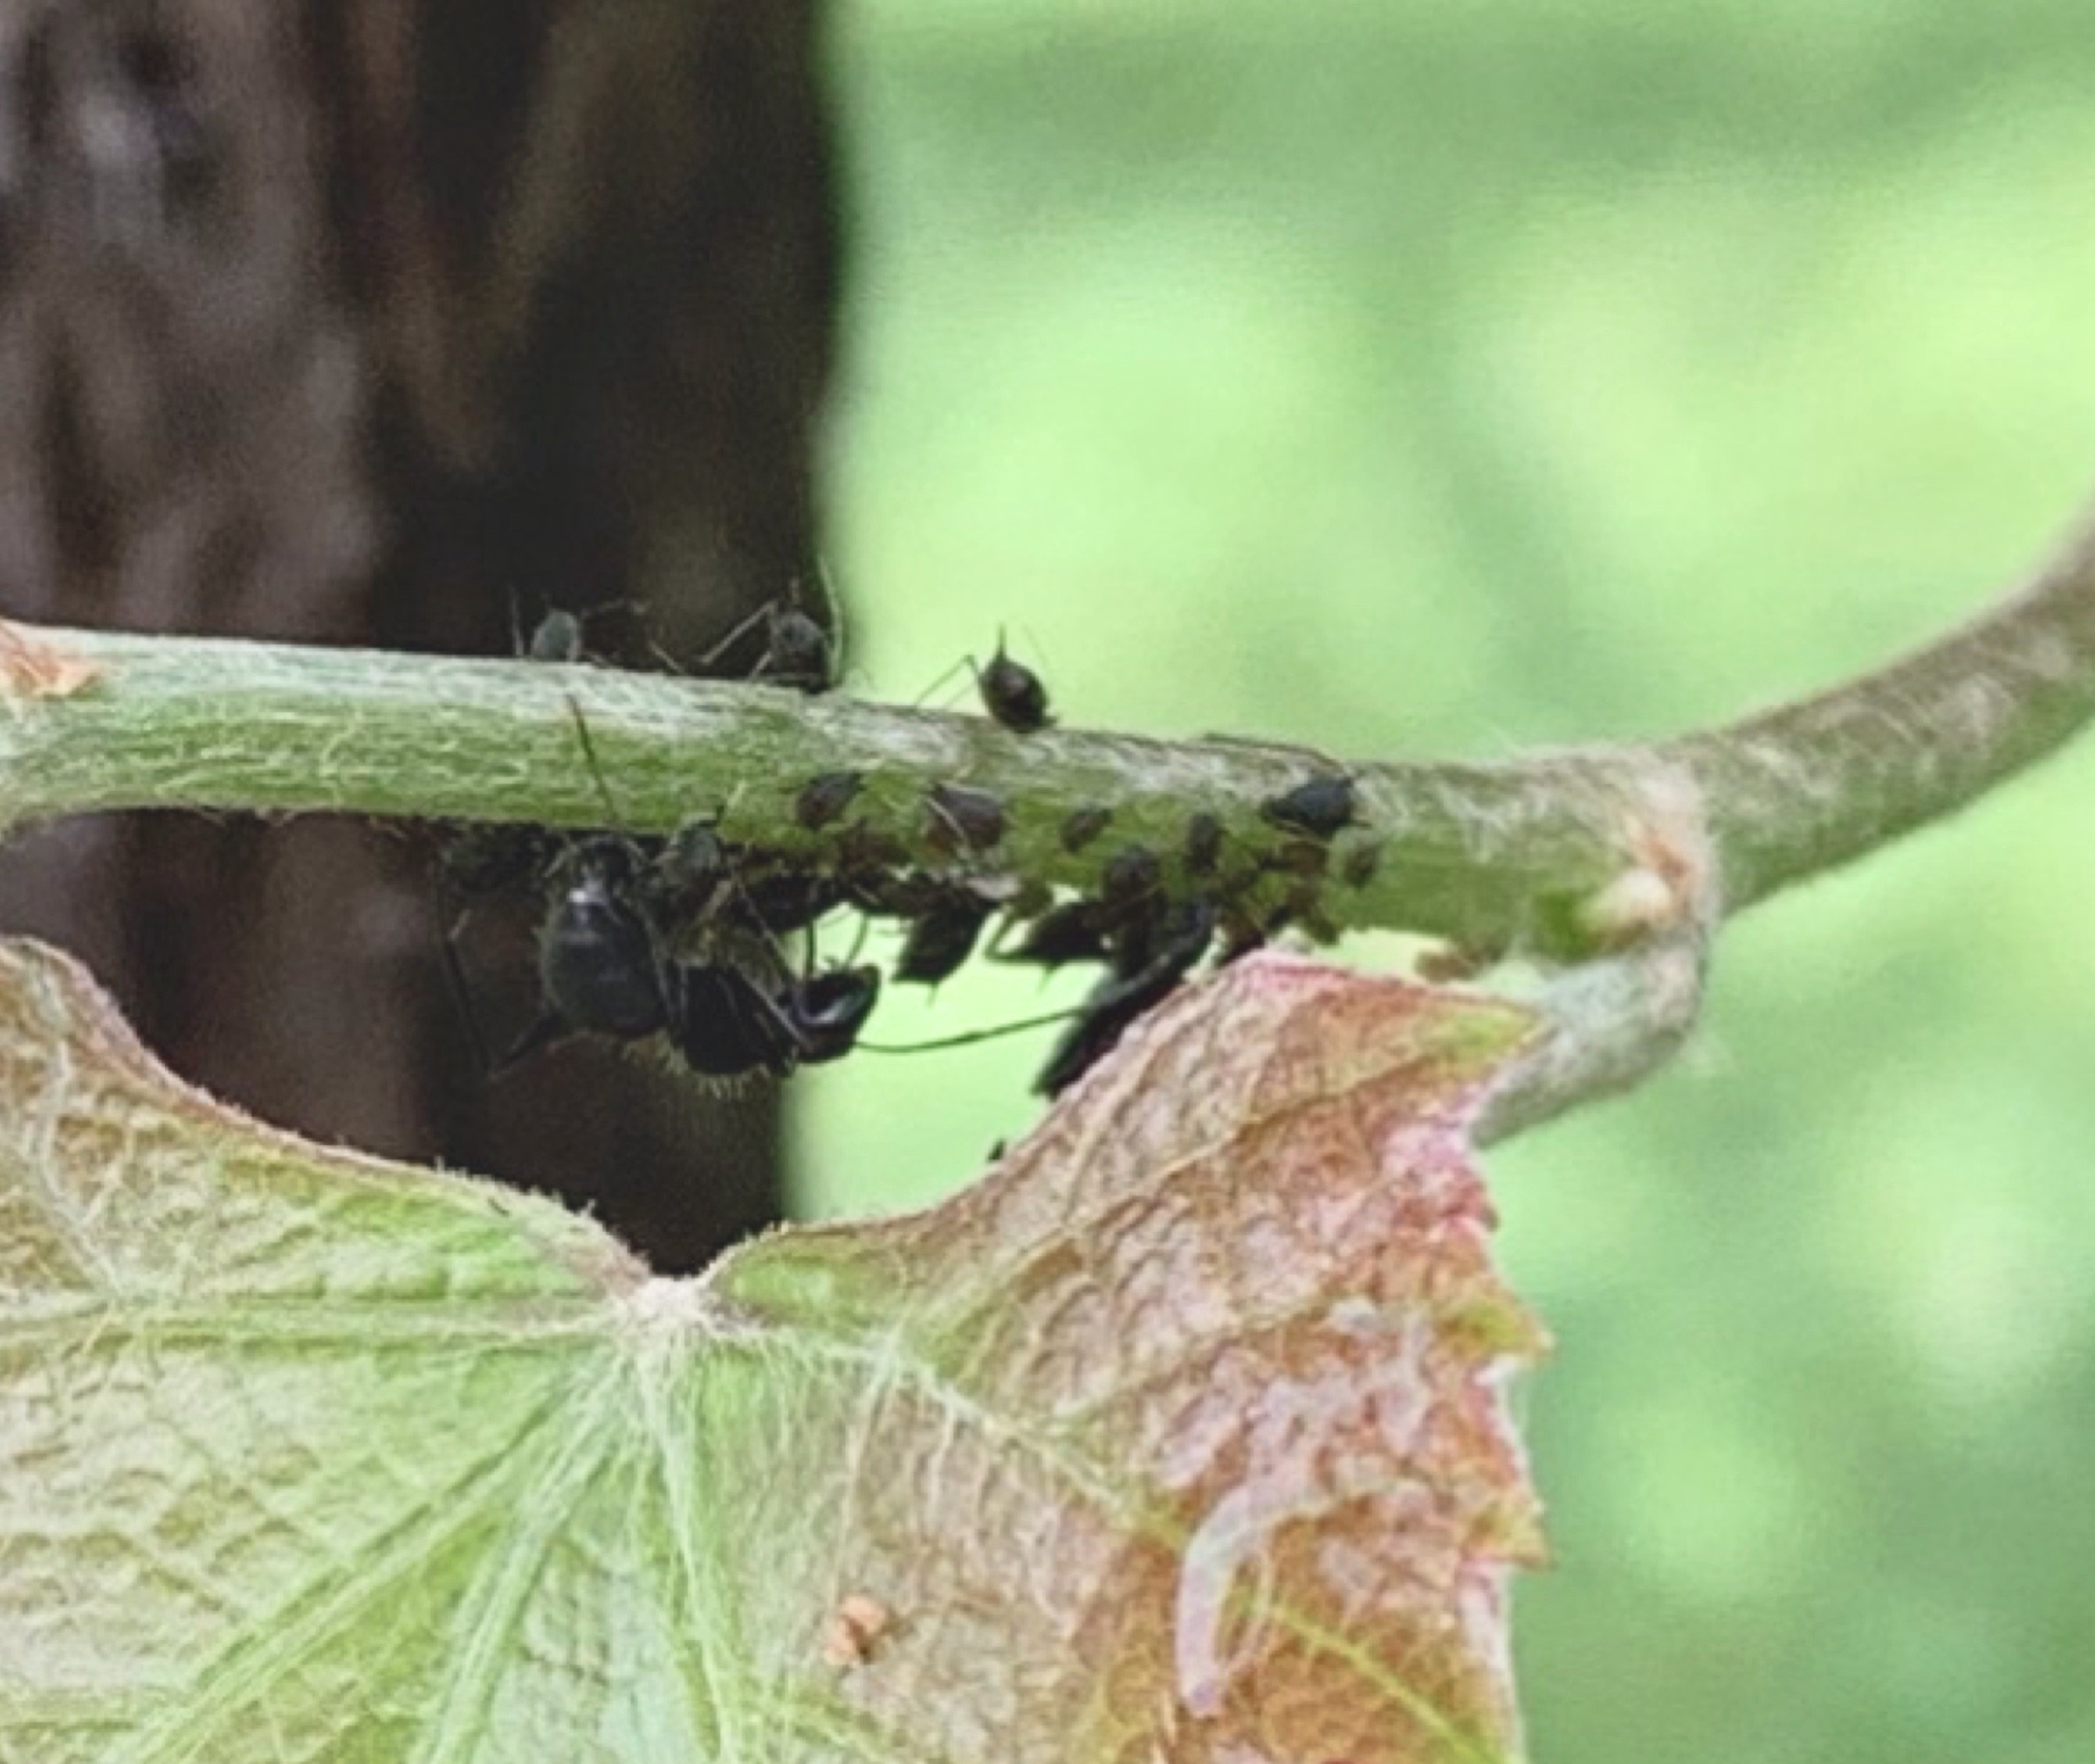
point(1180, 1435)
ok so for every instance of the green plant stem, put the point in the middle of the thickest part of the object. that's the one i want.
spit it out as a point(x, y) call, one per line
point(1462, 851)
point(1491, 856)
point(1807, 786)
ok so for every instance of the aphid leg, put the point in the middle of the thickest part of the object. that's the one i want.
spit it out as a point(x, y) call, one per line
point(547, 1030)
point(968, 1038)
point(448, 929)
point(736, 632)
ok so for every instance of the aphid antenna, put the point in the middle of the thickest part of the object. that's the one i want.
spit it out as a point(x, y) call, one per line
point(517, 645)
point(454, 975)
point(937, 685)
point(836, 626)
point(1032, 643)
point(735, 633)
point(596, 771)
point(953, 826)
point(975, 667)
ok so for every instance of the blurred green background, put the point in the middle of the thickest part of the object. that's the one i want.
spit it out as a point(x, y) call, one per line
point(1450, 376)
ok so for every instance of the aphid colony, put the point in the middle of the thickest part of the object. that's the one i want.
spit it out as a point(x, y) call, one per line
point(683, 939)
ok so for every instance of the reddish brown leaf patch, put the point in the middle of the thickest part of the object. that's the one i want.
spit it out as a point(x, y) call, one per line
point(1184, 1437)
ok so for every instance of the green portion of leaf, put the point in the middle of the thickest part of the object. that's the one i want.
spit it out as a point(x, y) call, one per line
point(1179, 1437)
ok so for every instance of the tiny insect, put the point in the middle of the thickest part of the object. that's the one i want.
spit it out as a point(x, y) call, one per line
point(1083, 826)
point(1318, 807)
point(1131, 875)
point(481, 859)
point(827, 1010)
point(789, 900)
point(602, 966)
point(1067, 933)
point(963, 818)
point(727, 1026)
point(1358, 863)
point(1203, 847)
point(557, 637)
point(941, 939)
point(823, 798)
point(867, 854)
point(1118, 1002)
point(1012, 693)
point(797, 651)
point(1303, 857)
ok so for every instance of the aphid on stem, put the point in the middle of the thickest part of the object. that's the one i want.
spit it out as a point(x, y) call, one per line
point(1012, 693)
point(823, 798)
point(942, 939)
point(797, 651)
point(1070, 932)
point(1203, 848)
point(963, 819)
point(1081, 826)
point(1317, 808)
point(1120, 1000)
point(1359, 862)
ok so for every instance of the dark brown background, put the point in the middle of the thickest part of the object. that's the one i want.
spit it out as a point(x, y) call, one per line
point(394, 322)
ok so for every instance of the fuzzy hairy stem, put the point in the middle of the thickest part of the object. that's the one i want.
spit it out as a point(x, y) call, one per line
point(1609, 1025)
point(1487, 855)
point(1810, 785)
point(1632, 856)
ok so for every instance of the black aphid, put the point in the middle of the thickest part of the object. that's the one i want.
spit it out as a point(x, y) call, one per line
point(1305, 907)
point(1318, 807)
point(602, 969)
point(695, 857)
point(963, 818)
point(1070, 932)
point(823, 798)
point(788, 901)
point(1137, 932)
point(1082, 825)
point(1118, 1002)
point(727, 1026)
point(1132, 874)
point(796, 651)
point(1241, 936)
point(865, 851)
point(692, 872)
point(941, 939)
point(1357, 863)
point(1203, 847)
point(827, 1010)
point(1303, 857)
point(557, 637)
point(1012, 693)
point(900, 894)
